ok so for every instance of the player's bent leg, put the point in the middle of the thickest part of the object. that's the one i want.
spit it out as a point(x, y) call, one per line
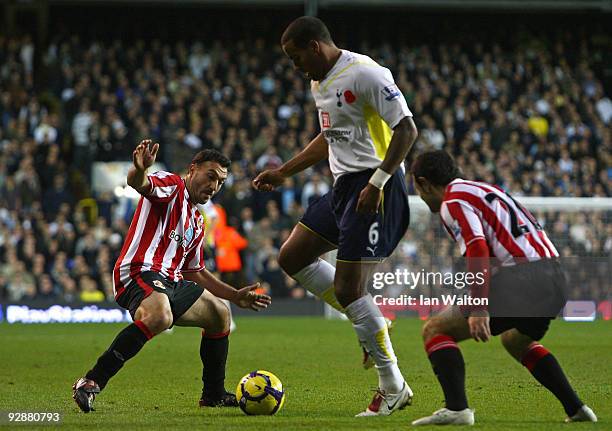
point(301, 249)
point(155, 313)
point(546, 370)
point(212, 315)
point(152, 317)
point(450, 322)
point(440, 335)
point(207, 312)
point(300, 258)
point(371, 328)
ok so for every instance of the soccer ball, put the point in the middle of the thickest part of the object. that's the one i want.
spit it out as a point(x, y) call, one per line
point(260, 393)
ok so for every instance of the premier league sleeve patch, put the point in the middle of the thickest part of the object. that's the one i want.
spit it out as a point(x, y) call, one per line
point(391, 92)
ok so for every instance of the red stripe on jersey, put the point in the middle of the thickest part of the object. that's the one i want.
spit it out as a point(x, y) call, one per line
point(536, 245)
point(146, 239)
point(162, 246)
point(483, 186)
point(180, 251)
point(522, 212)
point(455, 210)
point(540, 243)
point(193, 252)
point(547, 244)
point(119, 287)
point(166, 181)
point(528, 235)
point(501, 233)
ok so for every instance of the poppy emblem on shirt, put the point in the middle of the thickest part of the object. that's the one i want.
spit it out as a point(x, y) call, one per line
point(349, 97)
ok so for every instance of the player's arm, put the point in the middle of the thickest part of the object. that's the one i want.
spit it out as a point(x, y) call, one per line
point(468, 232)
point(380, 91)
point(404, 135)
point(477, 254)
point(244, 298)
point(143, 157)
point(315, 151)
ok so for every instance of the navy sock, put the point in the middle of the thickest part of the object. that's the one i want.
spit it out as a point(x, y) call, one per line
point(213, 352)
point(545, 368)
point(124, 347)
point(448, 365)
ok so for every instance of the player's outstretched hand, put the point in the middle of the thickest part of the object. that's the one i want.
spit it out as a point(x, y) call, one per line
point(248, 298)
point(479, 325)
point(144, 155)
point(268, 180)
point(369, 200)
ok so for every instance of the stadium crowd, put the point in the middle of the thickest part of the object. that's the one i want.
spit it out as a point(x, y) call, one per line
point(534, 119)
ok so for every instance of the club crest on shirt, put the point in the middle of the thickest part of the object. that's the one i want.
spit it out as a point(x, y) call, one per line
point(391, 92)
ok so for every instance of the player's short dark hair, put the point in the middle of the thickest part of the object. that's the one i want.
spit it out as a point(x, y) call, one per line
point(437, 167)
point(304, 29)
point(210, 155)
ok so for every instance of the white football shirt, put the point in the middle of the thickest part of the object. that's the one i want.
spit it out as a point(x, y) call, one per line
point(358, 105)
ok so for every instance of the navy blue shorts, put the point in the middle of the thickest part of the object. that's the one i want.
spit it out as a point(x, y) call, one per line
point(360, 237)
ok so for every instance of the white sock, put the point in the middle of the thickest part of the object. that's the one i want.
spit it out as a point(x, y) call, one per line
point(373, 334)
point(318, 279)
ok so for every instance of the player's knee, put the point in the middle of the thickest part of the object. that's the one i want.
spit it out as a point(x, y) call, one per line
point(507, 339)
point(159, 320)
point(514, 343)
point(289, 260)
point(219, 320)
point(345, 294)
point(431, 328)
point(294, 255)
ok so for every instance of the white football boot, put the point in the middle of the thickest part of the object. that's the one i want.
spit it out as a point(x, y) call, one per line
point(585, 414)
point(383, 404)
point(447, 417)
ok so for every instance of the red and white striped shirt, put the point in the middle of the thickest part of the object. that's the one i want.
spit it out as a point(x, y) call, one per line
point(166, 234)
point(474, 210)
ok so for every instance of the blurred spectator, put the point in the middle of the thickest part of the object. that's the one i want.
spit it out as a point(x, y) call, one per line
point(89, 290)
point(313, 189)
point(229, 243)
point(46, 289)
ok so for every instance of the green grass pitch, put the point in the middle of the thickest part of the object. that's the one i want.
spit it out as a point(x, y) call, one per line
point(317, 360)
